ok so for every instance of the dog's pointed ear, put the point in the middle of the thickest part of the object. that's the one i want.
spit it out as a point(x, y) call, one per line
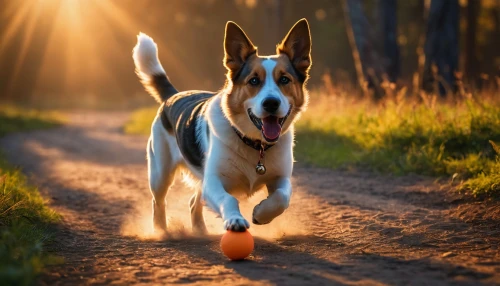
point(297, 46)
point(237, 47)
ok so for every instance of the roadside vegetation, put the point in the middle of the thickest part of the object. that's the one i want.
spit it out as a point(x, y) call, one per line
point(141, 120)
point(457, 140)
point(25, 220)
point(14, 119)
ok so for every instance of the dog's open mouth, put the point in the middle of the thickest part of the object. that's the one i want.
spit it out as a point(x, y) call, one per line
point(270, 126)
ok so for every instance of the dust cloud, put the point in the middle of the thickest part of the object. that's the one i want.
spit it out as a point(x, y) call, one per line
point(139, 223)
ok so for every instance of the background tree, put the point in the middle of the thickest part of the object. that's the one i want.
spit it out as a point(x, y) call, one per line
point(365, 55)
point(471, 61)
point(389, 35)
point(441, 47)
point(375, 51)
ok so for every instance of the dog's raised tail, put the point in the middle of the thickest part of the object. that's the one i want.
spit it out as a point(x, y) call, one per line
point(149, 69)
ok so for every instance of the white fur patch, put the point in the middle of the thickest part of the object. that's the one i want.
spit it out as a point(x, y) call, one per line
point(270, 88)
point(145, 56)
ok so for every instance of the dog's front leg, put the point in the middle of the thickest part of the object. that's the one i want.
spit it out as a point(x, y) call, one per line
point(223, 203)
point(280, 192)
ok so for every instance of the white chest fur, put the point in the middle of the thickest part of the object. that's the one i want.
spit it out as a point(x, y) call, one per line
point(236, 166)
point(234, 162)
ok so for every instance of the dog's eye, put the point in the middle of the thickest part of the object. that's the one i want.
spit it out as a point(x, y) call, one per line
point(254, 81)
point(284, 80)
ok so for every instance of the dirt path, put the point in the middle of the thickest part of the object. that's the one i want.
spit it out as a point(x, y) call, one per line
point(342, 228)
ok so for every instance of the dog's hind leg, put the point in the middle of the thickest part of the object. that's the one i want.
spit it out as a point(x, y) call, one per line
point(196, 208)
point(163, 159)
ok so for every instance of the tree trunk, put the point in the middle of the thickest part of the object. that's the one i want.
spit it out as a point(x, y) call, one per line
point(371, 64)
point(422, 9)
point(358, 65)
point(495, 14)
point(471, 61)
point(441, 47)
point(388, 16)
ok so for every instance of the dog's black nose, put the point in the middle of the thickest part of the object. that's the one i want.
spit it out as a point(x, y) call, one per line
point(271, 104)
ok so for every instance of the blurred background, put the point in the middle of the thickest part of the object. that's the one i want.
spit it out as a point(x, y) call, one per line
point(77, 53)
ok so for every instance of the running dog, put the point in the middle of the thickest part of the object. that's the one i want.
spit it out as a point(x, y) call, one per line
point(232, 142)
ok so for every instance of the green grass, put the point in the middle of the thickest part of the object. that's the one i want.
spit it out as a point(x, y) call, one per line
point(140, 122)
point(24, 218)
point(454, 140)
point(399, 136)
point(14, 119)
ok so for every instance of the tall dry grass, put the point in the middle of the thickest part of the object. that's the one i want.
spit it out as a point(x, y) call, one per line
point(406, 133)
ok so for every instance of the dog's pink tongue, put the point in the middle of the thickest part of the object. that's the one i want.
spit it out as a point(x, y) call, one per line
point(271, 127)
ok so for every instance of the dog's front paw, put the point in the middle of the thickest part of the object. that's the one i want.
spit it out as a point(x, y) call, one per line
point(269, 209)
point(257, 214)
point(236, 223)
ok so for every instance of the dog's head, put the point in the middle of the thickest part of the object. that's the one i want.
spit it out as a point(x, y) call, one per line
point(265, 94)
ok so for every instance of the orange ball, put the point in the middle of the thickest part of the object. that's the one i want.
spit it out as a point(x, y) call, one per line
point(237, 245)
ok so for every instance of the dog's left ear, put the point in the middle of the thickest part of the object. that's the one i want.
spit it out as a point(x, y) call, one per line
point(297, 46)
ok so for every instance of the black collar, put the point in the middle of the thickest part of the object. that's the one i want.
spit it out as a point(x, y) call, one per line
point(255, 144)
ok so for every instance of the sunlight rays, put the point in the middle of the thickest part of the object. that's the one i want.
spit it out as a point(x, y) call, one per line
point(26, 41)
point(126, 23)
point(74, 43)
point(15, 24)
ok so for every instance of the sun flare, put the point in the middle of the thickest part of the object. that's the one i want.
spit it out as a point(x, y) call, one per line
point(70, 43)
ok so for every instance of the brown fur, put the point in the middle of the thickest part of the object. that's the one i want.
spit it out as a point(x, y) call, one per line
point(242, 91)
point(295, 90)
